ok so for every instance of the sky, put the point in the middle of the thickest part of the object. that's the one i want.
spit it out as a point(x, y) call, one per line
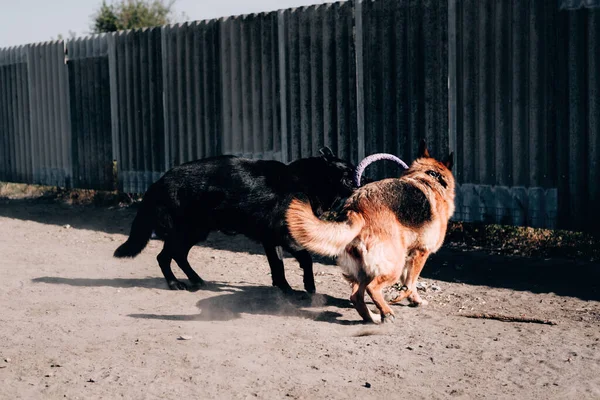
point(30, 21)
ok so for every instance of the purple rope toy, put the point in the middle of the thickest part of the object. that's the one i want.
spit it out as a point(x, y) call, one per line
point(372, 158)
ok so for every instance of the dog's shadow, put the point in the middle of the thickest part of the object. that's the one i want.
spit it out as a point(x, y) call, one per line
point(148, 283)
point(124, 283)
point(230, 301)
point(237, 300)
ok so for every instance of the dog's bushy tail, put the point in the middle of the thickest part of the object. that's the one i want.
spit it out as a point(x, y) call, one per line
point(141, 229)
point(321, 237)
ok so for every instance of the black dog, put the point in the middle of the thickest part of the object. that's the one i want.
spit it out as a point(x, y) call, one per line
point(236, 195)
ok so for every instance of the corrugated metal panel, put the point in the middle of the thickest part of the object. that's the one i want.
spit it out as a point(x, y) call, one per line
point(319, 72)
point(89, 87)
point(249, 71)
point(139, 87)
point(593, 116)
point(191, 79)
point(405, 78)
point(15, 133)
point(527, 107)
point(49, 105)
point(504, 101)
point(579, 32)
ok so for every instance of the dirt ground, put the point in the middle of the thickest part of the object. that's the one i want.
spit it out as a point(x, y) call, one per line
point(76, 323)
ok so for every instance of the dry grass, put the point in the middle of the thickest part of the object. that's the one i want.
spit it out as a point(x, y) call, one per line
point(20, 191)
point(523, 241)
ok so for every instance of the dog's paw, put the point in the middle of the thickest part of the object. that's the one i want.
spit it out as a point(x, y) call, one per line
point(416, 301)
point(309, 284)
point(301, 296)
point(195, 286)
point(197, 282)
point(285, 288)
point(373, 318)
point(176, 285)
point(388, 318)
point(399, 298)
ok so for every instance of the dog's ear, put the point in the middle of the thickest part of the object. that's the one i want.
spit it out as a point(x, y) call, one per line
point(326, 152)
point(449, 161)
point(423, 152)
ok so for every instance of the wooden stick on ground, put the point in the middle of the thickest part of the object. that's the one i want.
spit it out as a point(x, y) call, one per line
point(506, 318)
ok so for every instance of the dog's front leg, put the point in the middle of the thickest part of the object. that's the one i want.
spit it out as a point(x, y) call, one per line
point(306, 263)
point(275, 258)
point(414, 265)
point(419, 258)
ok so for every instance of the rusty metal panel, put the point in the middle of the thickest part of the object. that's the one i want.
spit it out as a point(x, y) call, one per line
point(139, 119)
point(405, 62)
point(89, 88)
point(190, 81)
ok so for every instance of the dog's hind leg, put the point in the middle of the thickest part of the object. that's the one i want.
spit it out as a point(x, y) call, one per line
point(358, 299)
point(275, 258)
point(164, 260)
point(180, 256)
point(306, 264)
point(375, 292)
point(178, 253)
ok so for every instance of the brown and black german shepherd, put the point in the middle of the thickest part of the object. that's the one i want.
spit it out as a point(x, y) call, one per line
point(386, 231)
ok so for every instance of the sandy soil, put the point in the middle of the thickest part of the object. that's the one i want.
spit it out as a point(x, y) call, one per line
point(77, 323)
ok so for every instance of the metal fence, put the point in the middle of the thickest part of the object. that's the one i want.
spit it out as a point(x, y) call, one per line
point(510, 86)
point(525, 112)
